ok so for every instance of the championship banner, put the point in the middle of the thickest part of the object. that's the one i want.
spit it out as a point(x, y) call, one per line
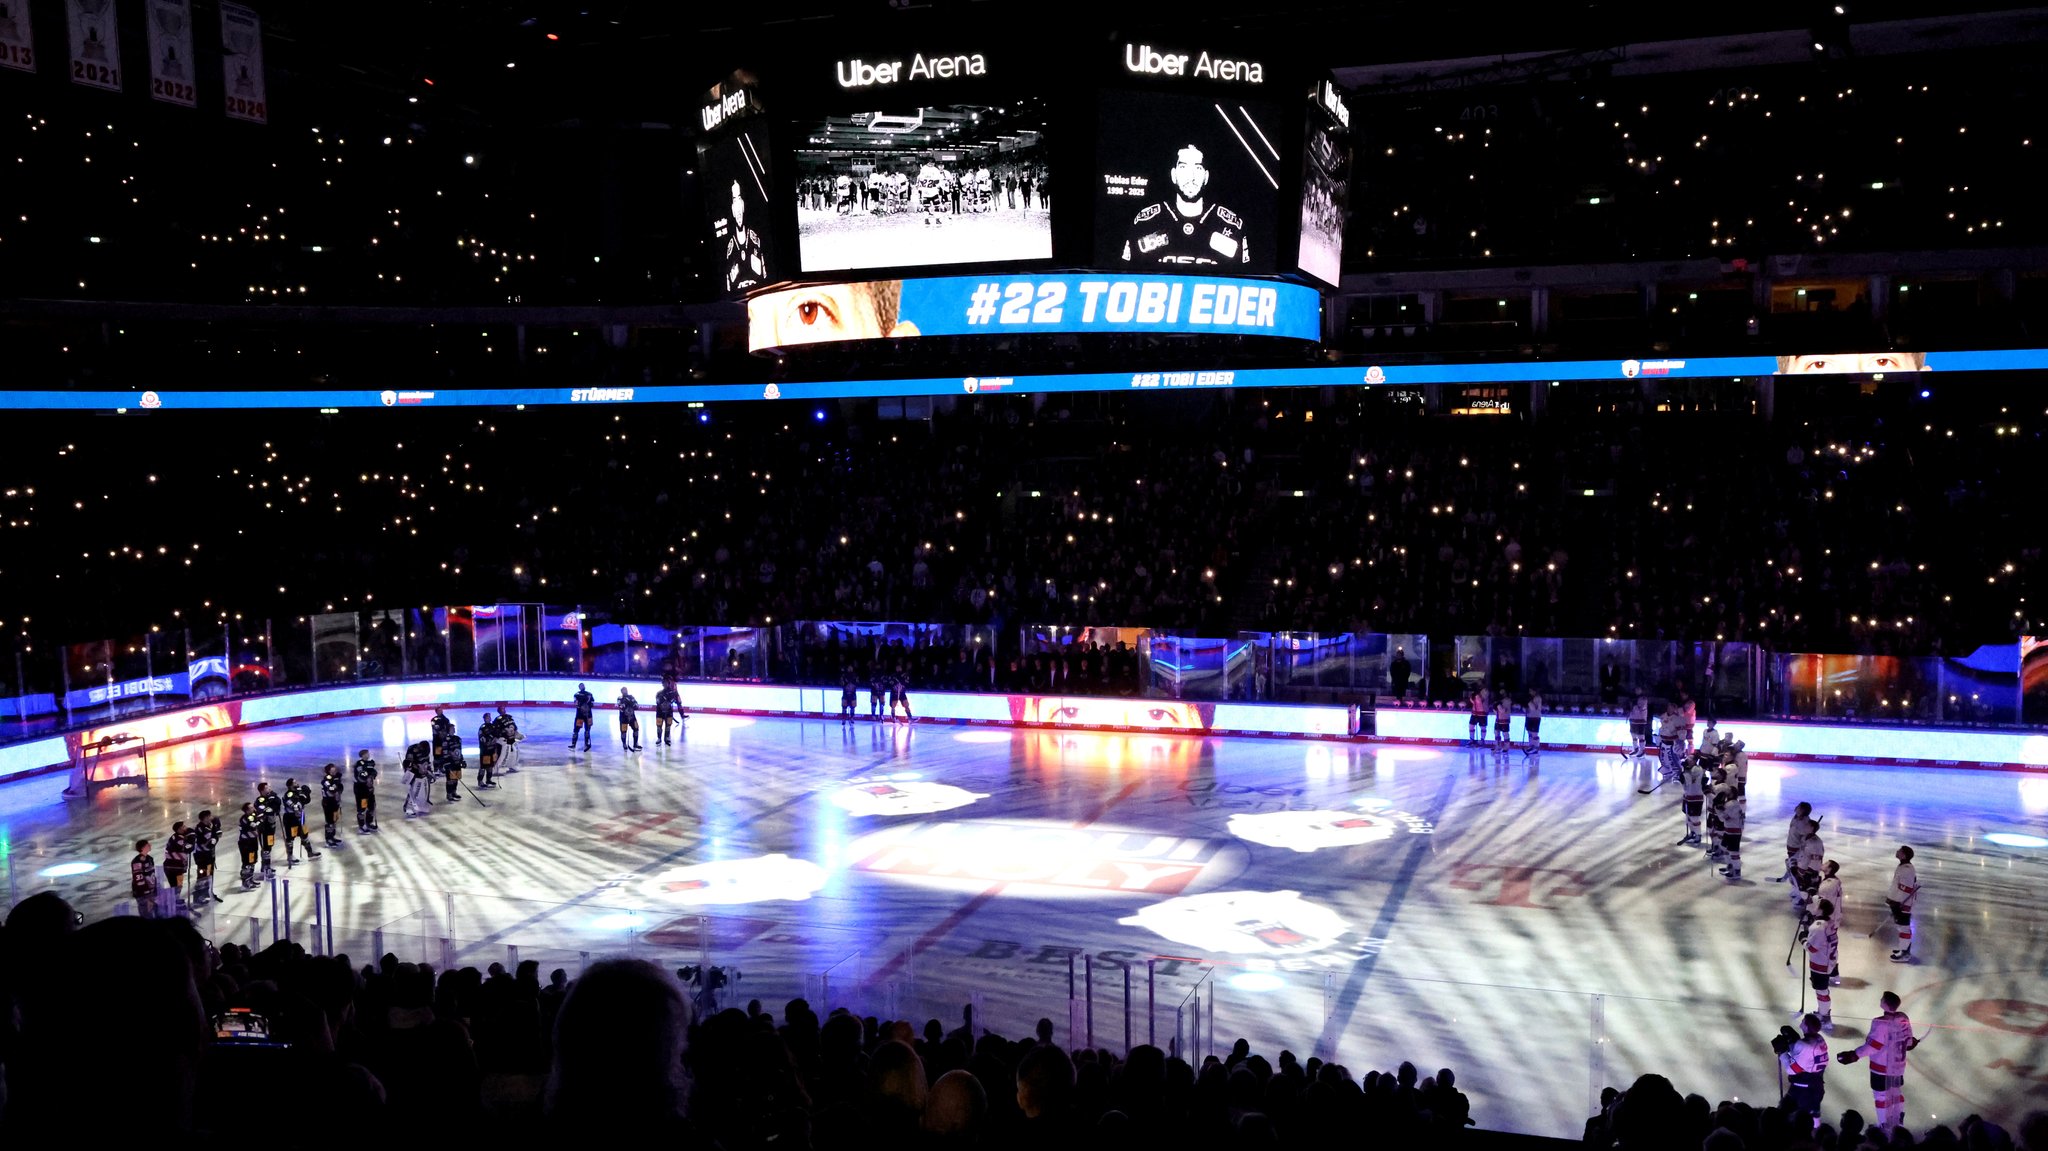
point(1002, 305)
point(241, 43)
point(170, 53)
point(95, 44)
point(17, 38)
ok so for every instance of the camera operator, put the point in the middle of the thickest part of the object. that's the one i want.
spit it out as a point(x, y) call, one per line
point(1804, 1058)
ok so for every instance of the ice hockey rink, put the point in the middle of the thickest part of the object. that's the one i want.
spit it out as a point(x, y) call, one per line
point(1525, 921)
point(861, 239)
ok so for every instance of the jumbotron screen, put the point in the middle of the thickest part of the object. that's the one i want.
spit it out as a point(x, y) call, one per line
point(916, 161)
point(1325, 182)
point(740, 198)
point(1187, 180)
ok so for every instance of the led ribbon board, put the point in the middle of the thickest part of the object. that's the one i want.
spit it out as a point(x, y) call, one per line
point(1004, 305)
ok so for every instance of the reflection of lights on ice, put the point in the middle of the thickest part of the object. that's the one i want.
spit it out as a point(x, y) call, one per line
point(1405, 754)
point(982, 737)
point(59, 871)
point(393, 731)
point(1257, 981)
point(899, 796)
point(1310, 830)
point(2034, 796)
point(2015, 839)
point(1041, 857)
point(1270, 923)
point(733, 881)
point(617, 921)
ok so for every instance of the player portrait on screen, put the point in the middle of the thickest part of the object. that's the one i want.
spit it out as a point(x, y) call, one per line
point(1186, 227)
point(745, 263)
point(1852, 363)
point(824, 313)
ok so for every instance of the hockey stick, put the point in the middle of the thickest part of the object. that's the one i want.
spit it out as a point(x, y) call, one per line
point(473, 795)
point(1661, 781)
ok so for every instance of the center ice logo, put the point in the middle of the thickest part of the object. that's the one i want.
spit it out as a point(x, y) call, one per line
point(901, 795)
point(732, 881)
point(1272, 924)
point(1370, 821)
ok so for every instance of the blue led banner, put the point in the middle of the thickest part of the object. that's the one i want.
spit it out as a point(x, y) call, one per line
point(1407, 375)
point(1002, 305)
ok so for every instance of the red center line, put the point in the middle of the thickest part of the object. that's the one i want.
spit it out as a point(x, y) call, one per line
point(959, 915)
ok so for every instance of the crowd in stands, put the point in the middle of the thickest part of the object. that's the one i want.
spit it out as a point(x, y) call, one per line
point(1871, 524)
point(113, 1028)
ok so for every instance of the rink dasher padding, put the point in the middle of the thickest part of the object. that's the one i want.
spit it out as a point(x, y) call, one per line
point(1899, 746)
point(1893, 746)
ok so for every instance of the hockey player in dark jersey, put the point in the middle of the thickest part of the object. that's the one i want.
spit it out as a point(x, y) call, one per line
point(269, 805)
point(248, 841)
point(508, 734)
point(330, 801)
point(366, 791)
point(177, 857)
point(296, 796)
point(142, 881)
point(745, 262)
point(444, 728)
point(586, 717)
point(668, 703)
point(849, 692)
point(419, 774)
point(629, 717)
point(205, 838)
point(448, 764)
point(1187, 229)
point(488, 747)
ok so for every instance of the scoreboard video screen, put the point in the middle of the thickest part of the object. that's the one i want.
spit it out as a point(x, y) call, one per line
point(1186, 181)
point(921, 161)
point(1325, 182)
point(740, 194)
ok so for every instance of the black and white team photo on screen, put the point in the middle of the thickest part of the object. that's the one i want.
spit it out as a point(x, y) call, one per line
point(949, 184)
point(1186, 181)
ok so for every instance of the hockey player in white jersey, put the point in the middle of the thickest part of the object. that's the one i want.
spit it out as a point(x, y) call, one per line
point(1732, 804)
point(1829, 892)
point(1806, 865)
point(1670, 743)
point(1692, 779)
point(1803, 825)
point(1805, 1064)
point(1905, 890)
point(1823, 948)
point(1891, 1036)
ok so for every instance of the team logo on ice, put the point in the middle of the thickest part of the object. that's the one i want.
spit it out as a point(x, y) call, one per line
point(732, 881)
point(901, 795)
point(1370, 822)
point(1274, 925)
